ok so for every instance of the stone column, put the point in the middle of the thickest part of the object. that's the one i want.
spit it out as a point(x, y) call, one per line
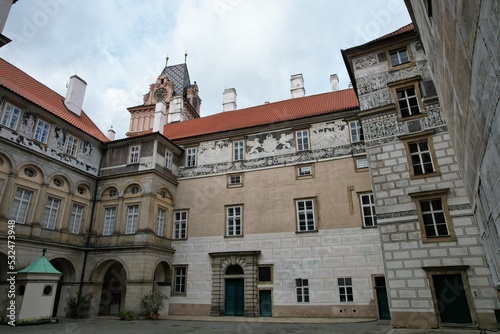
point(67, 212)
point(8, 195)
point(40, 206)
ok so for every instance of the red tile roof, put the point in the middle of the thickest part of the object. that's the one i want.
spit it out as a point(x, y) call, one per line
point(402, 30)
point(270, 113)
point(24, 85)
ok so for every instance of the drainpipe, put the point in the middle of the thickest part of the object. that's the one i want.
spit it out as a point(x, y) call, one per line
point(87, 242)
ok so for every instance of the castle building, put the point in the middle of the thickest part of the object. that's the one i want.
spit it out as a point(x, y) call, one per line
point(343, 204)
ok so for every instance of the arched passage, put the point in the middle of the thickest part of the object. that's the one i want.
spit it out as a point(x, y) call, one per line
point(163, 278)
point(67, 285)
point(113, 276)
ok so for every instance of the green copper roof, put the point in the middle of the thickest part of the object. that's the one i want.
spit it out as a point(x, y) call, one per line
point(40, 266)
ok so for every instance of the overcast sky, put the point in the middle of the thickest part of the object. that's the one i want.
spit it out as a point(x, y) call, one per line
point(119, 46)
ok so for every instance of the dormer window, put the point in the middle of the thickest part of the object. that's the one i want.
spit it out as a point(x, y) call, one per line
point(134, 154)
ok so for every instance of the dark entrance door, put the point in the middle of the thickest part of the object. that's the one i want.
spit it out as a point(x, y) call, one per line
point(266, 305)
point(451, 298)
point(235, 297)
point(382, 300)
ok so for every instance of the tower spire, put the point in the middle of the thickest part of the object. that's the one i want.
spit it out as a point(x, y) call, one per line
point(185, 56)
point(166, 60)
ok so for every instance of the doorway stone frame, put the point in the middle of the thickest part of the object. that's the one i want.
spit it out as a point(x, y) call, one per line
point(247, 260)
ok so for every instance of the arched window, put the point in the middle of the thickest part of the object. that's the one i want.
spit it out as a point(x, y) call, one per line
point(234, 270)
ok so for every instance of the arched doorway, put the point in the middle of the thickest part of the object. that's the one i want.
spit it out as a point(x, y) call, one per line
point(163, 278)
point(113, 288)
point(234, 297)
point(66, 287)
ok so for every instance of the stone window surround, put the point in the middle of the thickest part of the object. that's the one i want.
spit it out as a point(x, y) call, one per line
point(131, 218)
point(133, 153)
point(302, 290)
point(412, 82)
point(359, 128)
point(361, 169)
point(42, 121)
point(450, 270)
point(429, 195)
point(3, 105)
point(295, 139)
point(72, 150)
point(226, 224)
point(174, 229)
point(234, 142)
point(234, 185)
point(400, 66)
point(271, 269)
point(306, 176)
point(417, 137)
point(315, 214)
point(161, 229)
point(374, 216)
point(76, 217)
point(190, 149)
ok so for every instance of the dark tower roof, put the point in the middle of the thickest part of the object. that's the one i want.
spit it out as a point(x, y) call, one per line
point(179, 74)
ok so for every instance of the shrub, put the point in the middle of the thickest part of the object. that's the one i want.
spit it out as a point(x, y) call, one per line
point(126, 315)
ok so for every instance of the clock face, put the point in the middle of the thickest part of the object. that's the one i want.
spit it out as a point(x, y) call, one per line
point(159, 94)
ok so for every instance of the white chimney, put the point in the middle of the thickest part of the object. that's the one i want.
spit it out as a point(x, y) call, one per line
point(334, 81)
point(75, 94)
point(297, 85)
point(159, 119)
point(229, 99)
point(350, 85)
point(175, 109)
point(111, 133)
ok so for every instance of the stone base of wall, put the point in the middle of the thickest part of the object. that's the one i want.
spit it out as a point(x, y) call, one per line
point(414, 320)
point(487, 320)
point(325, 311)
point(189, 309)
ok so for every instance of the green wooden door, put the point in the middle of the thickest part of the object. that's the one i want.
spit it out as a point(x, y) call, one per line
point(451, 298)
point(383, 302)
point(266, 305)
point(235, 297)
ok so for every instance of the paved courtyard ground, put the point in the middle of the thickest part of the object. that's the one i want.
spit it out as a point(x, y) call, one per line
point(219, 326)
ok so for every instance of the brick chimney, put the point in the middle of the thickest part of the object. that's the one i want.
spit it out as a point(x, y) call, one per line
point(75, 94)
point(229, 99)
point(297, 85)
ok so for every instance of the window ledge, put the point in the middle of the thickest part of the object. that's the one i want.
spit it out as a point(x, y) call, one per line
point(312, 231)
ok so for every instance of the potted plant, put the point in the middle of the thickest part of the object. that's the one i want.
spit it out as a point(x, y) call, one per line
point(154, 302)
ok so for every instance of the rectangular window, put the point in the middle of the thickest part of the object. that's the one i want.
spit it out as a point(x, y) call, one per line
point(304, 171)
point(408, 102)
point(109, 221)
point(72, 146)
point(368, 210)
point(265, 274)
point(361, 163)
point(302, 140)
point(180, 224)
point(75, 220)
point(345, 289)
point(42, 131)
point(433, 216)
point(168, 159)
point(20, 205)
point(132, 219)
point(356, 131)
point(134, 154)
point(50, 214)
point(302, 289)
point(180, 280)
point(234, 220)
point(399, 57)
point(238, 150)
point(421, 157)
point(191, 157)
point(10, 116)
point(160, 222)
point(305, 215)
point(234, 180)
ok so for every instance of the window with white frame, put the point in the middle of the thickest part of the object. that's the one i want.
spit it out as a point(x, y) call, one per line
point(356, 131)
point(305, 215)
point(234, 180)
point(134, 154)
point(345, 289)
point(408, 102)
point(180, 224)
point(75, 220)
point(302, 140)
point(234, 220)
point(368, 210)
point(191, 157)
point(132, 219)
point(302, 290)
point(42, 131)
point(238, 150)
point(72, 145)
point(20, 205)
point(168, 159)
point(180, 275)
point(362, 163)
point(51, 211)
point(304, 171)
point(109, 221)
point(160, 222)
point(421, 157)
point(10, 116)
point(399, 57)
